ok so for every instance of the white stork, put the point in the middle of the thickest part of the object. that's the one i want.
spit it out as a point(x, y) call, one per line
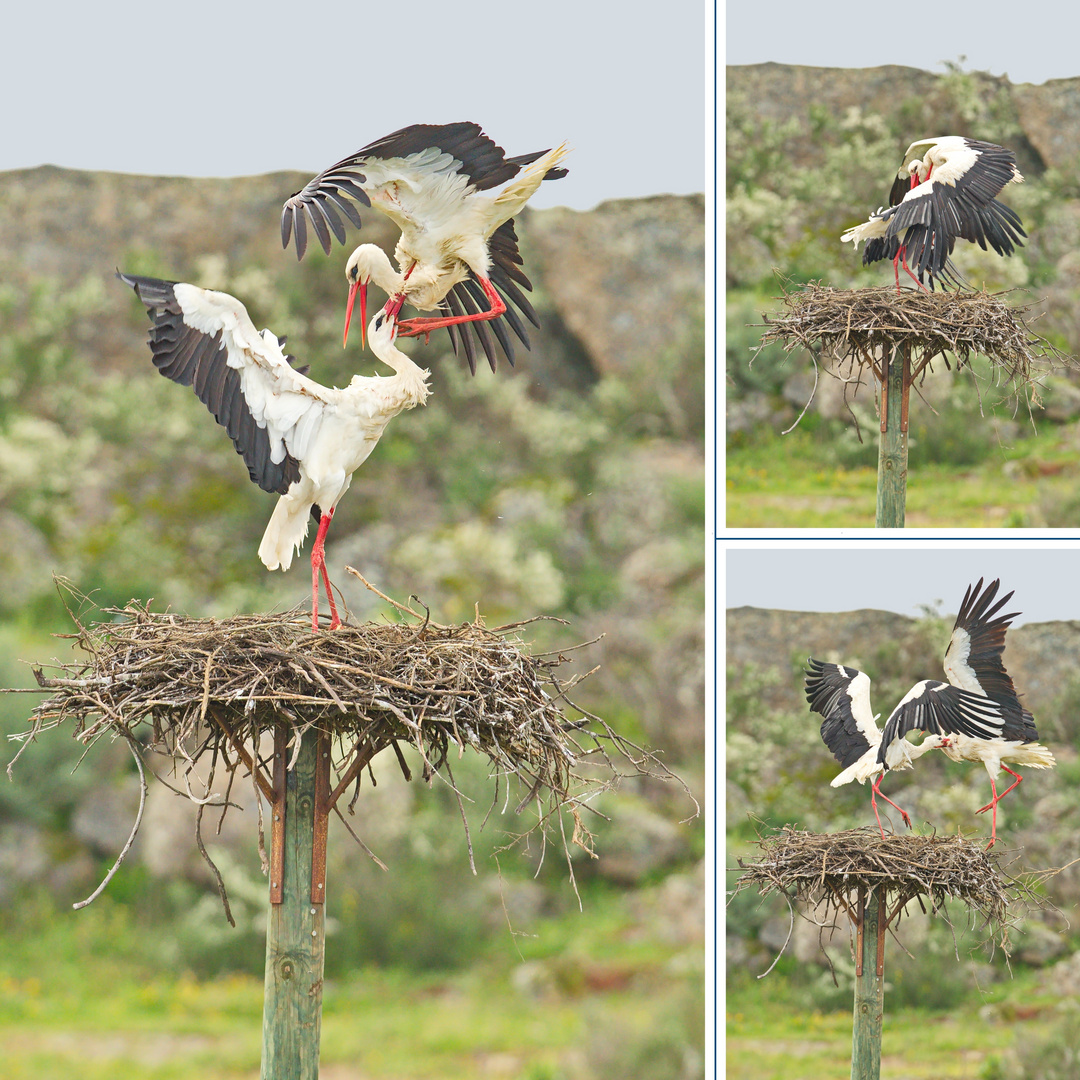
point(973, 662)
point(842, 696)
point(945, 189)
point(458, 250)
point(298, 438)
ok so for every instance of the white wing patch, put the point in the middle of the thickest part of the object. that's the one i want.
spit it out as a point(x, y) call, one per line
point(288, 405)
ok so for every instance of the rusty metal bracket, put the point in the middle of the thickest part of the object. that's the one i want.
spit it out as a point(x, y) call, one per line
point(881, 933)
point(905, 394)
point(885, 393)
point(322, 817)
point(859, 934)
point(277, 824)
point(361, 756)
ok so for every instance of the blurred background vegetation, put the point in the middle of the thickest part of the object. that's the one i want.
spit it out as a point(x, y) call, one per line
point(567, 487)
point(800, 170)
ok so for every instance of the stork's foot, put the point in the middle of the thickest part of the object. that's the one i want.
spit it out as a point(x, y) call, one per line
point(427, 323)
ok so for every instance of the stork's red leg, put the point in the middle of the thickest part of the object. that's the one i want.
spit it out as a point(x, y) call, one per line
point(993, 804)
point(901, 259)
point(318, 564)
point(412, 327)
point(335, 622)
point(876, 790)
point(998, 798)
point(873, 803)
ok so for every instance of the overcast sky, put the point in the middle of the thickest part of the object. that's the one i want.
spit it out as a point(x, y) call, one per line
point(229, 89)
point(823, 576)
point(1031, 42)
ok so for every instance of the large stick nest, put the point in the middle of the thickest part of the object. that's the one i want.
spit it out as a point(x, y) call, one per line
point(201, 689)
point(861, 328)
point(864, 324)
point(833, 870)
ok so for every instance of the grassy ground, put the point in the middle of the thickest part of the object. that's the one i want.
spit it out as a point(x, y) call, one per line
point(772, 1034)
point(793, 481)
point(78, 997)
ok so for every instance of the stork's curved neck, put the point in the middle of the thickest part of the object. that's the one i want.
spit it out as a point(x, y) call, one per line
point(412, 377)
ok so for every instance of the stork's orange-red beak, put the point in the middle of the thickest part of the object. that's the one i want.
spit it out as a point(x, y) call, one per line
point(362, 288)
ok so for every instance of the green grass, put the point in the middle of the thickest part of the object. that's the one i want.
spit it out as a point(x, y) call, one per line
point(793, 481)
point(81, 995)
point(772, 1034)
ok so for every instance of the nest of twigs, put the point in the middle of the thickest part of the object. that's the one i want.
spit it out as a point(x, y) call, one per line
point(862, 328)
point(835, 871)
point(203, 690)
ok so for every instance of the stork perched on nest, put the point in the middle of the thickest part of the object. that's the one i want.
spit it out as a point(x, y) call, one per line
point(973, 663)
point(945, 189)
point(298, 438)
point(458, 250)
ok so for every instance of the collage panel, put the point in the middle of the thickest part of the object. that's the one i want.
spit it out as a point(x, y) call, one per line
point(899, 820)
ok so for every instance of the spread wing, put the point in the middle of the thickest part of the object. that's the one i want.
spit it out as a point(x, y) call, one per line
point(423, 157)
point(206, 340)
point(842, 696)
point(973, 659)
point(938, 708)
point(508, 279)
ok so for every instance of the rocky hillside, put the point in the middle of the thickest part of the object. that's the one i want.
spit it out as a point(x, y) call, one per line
point(1046, 117)
point(1040, 656)
point(621, 284)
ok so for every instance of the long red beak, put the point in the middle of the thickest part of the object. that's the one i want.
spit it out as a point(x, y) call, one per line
point(362, 287)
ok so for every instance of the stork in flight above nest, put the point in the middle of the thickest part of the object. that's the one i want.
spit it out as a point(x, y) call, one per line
point(458, 251)
point(945, 190)
point(973, 663)
point(298, 438)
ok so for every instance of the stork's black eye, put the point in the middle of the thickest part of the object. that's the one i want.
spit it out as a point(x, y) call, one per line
point(353, 273)
point(379, 320)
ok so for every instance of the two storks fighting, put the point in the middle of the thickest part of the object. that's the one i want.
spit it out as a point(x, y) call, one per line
point(975, 716)
point(453, 193)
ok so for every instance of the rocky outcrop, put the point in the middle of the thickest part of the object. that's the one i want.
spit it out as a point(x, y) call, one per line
point(615, 285)
point(1041, 657)
point(1047, 115)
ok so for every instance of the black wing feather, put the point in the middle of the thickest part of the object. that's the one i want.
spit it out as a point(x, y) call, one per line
point(192, 358)
point(826, 688)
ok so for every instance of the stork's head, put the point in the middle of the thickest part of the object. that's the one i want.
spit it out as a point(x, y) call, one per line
point(358, 272)
point(382, 331)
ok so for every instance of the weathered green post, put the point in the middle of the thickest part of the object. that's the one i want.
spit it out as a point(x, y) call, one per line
point(295, 938)
point(893, 444)
point(869, 986)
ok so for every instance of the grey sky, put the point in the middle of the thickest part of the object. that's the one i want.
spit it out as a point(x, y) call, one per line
point(230, 89)
point(1031, 43)
point(809, 577)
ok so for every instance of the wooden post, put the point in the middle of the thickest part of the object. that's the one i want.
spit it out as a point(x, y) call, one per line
point(869, 987)
point(295, 940)
point(893, 444)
